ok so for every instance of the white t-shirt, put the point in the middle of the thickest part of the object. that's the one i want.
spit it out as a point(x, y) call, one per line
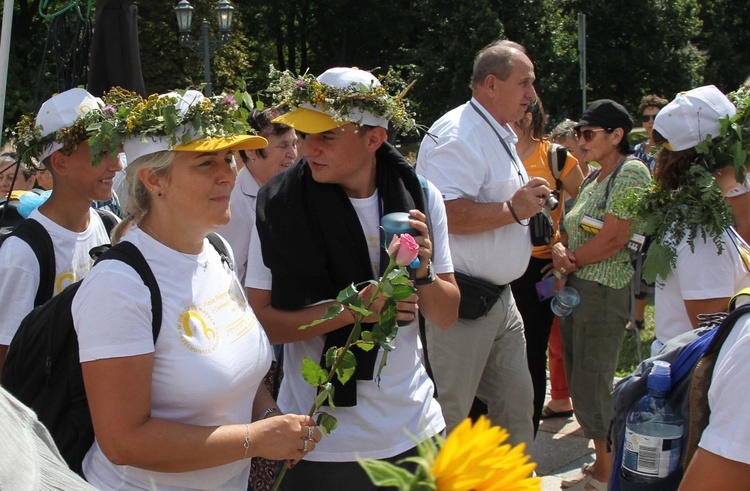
point(699, 275)
point(728, 430)
point(19, 268)
point(240, 227)
point(210, 357)
point(389, 419)
point(464, 158)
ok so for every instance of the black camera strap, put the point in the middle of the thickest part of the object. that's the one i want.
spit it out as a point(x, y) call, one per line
point(502, 142)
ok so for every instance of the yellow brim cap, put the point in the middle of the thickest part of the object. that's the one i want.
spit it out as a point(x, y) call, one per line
point(308, 121)
point(241, 142)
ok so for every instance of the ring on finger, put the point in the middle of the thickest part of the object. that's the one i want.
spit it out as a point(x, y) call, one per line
point(309, 433)
point(304, 445)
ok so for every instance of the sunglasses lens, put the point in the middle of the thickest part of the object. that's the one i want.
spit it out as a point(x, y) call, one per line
point(647, 117)
point(588, 135)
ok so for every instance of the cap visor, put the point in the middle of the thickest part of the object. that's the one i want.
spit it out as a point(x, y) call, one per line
point(242, 142)
point(308, 121)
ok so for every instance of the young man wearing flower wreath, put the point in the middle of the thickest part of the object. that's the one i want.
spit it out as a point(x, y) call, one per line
point(59, 138)
point(317, 226)
point(489, 199)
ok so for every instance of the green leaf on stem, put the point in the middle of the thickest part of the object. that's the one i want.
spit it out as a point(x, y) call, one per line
point(383, 363)
point(361, 310)
point(313, 373)
point(402, 292)
point(330, 356)
point(383, 473)
point(366, 345)
point(332, 312)
point(348, 295)
point(346, 366)
point(326, 422)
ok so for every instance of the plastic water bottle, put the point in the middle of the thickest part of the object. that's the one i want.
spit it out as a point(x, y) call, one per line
point(397, 223)
point(565, 301)
point(653, 434)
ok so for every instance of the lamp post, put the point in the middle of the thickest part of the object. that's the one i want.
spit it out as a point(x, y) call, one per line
point(204, 45)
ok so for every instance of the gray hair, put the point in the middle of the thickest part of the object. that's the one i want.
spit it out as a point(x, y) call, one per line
point(139, 199)
point(565, 129)
point(495, 59)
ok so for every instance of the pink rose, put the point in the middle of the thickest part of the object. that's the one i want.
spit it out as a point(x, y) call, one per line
point(408, 250)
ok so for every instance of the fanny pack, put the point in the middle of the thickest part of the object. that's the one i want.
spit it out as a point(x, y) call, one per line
point(477, 296)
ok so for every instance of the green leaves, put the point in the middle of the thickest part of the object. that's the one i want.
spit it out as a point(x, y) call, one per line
point(386, 474)
point(313, 373)
point(326, 422)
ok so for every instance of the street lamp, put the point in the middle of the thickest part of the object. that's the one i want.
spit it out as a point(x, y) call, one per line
point(205, 45)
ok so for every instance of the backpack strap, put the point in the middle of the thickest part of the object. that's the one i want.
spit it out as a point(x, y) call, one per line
point(221, 248)
point(698, 409)
point(611, 182)
point(34, 234)
point(130, 255)
point(557, 155)
point(109, 219)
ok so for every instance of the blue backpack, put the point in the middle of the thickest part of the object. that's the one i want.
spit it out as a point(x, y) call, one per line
point(693, 357)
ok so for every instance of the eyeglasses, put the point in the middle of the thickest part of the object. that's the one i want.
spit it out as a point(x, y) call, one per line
point(645, 118)
point(587, 135)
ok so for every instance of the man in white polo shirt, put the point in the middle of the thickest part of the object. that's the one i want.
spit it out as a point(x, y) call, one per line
point(469, 154)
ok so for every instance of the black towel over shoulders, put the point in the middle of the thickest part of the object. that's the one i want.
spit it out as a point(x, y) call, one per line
point(314, 245)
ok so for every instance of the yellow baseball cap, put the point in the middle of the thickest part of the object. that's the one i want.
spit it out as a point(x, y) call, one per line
point(308, 121)
point(238, 142)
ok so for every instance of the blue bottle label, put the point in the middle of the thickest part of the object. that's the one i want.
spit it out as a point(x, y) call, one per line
point(651, 456)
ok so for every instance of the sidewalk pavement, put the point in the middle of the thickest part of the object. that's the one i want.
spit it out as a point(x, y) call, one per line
point(560, 449)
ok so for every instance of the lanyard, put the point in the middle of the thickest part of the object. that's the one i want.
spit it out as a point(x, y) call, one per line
point(502, 141)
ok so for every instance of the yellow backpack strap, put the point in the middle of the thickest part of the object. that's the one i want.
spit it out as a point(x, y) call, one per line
point(745, 292)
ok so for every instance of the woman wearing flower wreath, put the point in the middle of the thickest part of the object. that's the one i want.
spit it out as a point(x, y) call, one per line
point(187, 411)
point(598, 266)
point(533, 149)
point(709, 268)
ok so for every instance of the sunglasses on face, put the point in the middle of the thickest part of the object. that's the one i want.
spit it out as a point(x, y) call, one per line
point(588, 135)
point(645, 118)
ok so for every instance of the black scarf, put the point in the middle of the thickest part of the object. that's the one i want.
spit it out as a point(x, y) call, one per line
point(314, 245)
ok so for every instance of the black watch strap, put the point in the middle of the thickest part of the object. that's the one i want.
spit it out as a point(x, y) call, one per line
point(429, 279)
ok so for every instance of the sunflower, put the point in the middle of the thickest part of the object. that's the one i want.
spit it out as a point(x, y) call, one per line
point(472, 458)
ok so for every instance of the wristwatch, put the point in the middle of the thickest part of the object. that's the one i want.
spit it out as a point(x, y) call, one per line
point(429, 279)
point(267, 412)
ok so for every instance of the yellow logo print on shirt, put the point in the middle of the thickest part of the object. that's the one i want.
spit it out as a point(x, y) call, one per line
point(197, 333)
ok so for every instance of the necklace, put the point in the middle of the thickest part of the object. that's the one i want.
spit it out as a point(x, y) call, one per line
point(203, 264)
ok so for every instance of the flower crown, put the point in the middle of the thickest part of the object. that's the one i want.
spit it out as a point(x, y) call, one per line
point(217, 116)
point(91, 125)
point(292, 91)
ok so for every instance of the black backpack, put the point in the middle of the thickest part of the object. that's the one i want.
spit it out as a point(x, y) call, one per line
point(556, 157)
point(34, 234)
point(43, 369)
point(692, 356)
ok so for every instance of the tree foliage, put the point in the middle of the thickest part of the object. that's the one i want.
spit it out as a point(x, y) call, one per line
point(633, 48)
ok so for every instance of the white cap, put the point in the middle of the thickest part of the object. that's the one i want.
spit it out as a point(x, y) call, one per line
point(342, 77)
point(693, 116)
point(137, 146)
point(62, 111)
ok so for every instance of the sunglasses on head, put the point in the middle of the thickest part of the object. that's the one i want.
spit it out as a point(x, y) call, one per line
point(645, 118)
point(587, 135)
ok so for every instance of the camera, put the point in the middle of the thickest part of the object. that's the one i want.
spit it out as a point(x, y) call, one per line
point(552, 200)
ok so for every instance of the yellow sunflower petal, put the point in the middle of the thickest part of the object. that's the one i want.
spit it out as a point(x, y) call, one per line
point(473, 457)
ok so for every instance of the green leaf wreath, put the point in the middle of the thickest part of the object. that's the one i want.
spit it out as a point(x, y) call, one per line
point(697, 207)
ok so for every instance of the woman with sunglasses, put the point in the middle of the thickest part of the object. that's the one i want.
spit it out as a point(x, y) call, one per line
point(534, 150)
point(598, 265)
